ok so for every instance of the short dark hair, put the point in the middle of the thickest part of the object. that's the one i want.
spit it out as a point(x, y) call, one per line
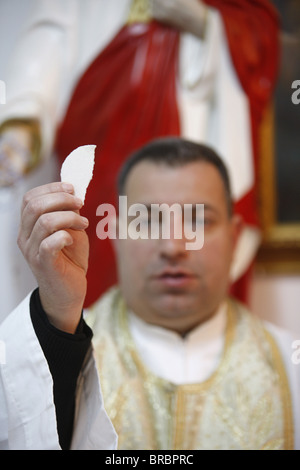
point(176, 152)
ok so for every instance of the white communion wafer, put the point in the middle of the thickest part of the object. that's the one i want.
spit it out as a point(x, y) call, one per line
point(77, 169)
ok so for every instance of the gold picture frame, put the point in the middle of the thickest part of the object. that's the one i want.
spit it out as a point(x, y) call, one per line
point(280, 150)
point(280, 247)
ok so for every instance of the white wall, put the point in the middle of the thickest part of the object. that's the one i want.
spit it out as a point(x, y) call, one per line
point(276, 298)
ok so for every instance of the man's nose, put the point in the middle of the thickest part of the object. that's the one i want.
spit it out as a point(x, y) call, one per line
point(173, 244)
point(172, 248)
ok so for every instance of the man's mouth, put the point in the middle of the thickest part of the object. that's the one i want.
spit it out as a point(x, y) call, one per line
point(175, 278)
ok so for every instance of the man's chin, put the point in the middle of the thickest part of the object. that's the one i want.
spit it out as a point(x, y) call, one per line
point(174, 304)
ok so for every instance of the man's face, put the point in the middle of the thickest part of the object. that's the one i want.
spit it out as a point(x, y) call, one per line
point(163, 282)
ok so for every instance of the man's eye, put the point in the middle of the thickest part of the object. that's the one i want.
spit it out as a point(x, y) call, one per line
point(194, 221)
point(208, 221)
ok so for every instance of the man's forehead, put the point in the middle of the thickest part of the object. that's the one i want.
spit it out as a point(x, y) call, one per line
point(153, 179)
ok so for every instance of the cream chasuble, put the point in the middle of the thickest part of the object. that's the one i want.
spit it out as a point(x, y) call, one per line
point(244, 403)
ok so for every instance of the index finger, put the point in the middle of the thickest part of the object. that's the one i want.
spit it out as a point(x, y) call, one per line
point(49, 188)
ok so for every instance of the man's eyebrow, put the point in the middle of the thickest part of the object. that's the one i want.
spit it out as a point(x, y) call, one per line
point(209, 207)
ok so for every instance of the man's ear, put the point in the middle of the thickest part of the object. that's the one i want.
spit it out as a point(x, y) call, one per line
point(238, 226)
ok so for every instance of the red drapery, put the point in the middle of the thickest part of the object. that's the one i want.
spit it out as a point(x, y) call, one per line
point(127, 97)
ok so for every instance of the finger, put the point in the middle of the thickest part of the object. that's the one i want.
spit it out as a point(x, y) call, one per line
point(53, 222)
point(46, 225)
point(43, 204)
point(55, 187)
point(52, 246)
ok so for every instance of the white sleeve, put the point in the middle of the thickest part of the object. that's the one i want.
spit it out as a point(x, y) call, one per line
point(28, 420)
point(93, 428)
point(27, 411)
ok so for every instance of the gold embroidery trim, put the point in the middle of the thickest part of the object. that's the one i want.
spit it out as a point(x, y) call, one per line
point(186, 388)
point(148, 377)
point(285, 394)
point(203, 386)
point(182, 390)
point(140, 12)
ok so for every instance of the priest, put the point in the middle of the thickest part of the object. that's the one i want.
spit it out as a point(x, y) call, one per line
point(181, 364)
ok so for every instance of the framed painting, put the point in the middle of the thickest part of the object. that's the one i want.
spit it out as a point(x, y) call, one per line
point(279, 170)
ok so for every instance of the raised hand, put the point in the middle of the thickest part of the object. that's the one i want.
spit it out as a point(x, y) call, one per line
point(55, 245)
